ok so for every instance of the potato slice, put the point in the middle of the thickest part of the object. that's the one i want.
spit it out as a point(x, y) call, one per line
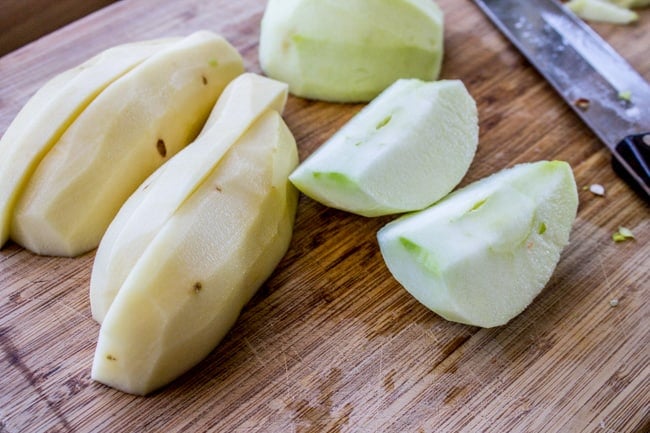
point(134, 126)
point(191, 278)
point(151, 206)
point(47, 114)
point(603, 11)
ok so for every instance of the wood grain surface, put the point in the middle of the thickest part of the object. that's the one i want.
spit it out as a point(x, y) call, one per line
point(332, 343)
point(22, 21)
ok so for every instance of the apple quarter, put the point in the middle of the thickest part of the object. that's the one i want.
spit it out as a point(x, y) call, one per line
point(481, 255)
point(404, 151)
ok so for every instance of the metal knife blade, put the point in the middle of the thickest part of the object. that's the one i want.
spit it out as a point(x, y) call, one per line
point(600, 86)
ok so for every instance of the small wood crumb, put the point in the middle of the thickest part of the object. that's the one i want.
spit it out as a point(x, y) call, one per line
point(198, 287)
point(582, 103)
point(597, 189)
point(204, 79)
point(111, 357)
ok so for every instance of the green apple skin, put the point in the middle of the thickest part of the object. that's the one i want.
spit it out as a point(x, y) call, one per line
point(47, 114)
point(350, 51)
point(129, 130)
point(405, 150)
point(201, 249)
point(481, 255)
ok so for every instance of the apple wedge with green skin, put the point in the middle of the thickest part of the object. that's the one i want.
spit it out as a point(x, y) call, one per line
point(481, 255)
point(139, 220)
point(216, 246)
point(405, 150)
point(47, 114)
point(349, 51)
point(131, 128)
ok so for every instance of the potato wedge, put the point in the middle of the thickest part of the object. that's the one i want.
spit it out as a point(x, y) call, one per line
point(156, 200)
point(185, 287)
point(134, 126)
point(47, 114)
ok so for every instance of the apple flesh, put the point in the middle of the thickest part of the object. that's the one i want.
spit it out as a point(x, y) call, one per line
point(130, 129)
point(405, 150)
point(349, 51)
point(481, 255)
point(216, 238)
point(47, 114)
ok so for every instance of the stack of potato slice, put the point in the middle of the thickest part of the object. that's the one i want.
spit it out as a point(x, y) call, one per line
point(91, 135)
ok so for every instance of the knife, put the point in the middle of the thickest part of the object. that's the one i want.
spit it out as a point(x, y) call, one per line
point(600, 86)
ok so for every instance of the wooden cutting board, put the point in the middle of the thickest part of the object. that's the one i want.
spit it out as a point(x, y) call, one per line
point(332, 343)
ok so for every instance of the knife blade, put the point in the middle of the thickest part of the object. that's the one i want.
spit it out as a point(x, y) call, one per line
point(599, 85)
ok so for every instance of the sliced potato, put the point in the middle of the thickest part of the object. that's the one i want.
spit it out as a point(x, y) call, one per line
point(186, 286)
point(46, 116)
point(134, 126)
point(151, 206)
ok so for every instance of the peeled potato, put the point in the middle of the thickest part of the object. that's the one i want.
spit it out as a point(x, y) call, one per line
point(46, 116)
point(197, 252)
point(131, 128)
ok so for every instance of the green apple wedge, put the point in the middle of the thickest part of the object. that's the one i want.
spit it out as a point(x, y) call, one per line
point(350, 51)
point(481, 255)
point(51, 110)
point(131, 128)
point(207, 255)
point(405, 150)
point(139, 220)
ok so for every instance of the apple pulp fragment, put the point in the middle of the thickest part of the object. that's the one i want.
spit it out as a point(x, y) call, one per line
point(482, 254)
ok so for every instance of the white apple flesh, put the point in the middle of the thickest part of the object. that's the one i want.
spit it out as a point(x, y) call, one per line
point(405, 150)
point(481, 255)
point(351, 50)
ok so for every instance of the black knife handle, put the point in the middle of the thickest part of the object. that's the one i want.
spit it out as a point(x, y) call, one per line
point(631, 162)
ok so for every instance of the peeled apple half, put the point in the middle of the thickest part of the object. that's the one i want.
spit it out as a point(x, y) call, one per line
point(404, 151)
point(483, 253)
point(193, 244)
point(349, 51)
point(127, 131)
